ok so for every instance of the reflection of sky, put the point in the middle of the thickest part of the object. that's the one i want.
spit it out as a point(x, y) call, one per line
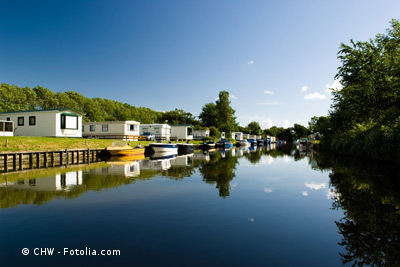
point(265, 218)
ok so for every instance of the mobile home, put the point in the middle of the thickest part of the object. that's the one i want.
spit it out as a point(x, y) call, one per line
point(246, 136)
point(48, 122)
point(6, 128)
point(237, 136)
point(201, 134)
point(160, 131)
point(127, 130)
point(182, 132)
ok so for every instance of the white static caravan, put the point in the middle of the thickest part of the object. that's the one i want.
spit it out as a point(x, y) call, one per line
point(182, 132)
point(253, 136)
point(160, 131)
point(6, 128)
point(246, 136)
point(127, 130)
point(259, 137)
point(48, 122)
point(237, 136)
point(201, 134)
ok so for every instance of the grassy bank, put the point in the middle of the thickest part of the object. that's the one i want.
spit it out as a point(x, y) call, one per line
point(25, 143)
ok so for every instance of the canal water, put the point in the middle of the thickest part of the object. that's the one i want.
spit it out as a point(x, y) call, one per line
point(269, 206)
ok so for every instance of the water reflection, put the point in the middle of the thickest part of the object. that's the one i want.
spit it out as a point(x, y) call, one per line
point(367, 192)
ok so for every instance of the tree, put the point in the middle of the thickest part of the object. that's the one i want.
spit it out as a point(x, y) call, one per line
point(254, 128)
point(178, 116)
point(226, 120)
point(300, 131)
point(208, 115)
point(214, 131)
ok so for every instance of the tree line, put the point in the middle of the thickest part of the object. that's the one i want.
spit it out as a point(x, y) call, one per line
point(217, 117)
point(365, 114)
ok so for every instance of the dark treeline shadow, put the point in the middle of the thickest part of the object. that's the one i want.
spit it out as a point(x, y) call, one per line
point(369, 194)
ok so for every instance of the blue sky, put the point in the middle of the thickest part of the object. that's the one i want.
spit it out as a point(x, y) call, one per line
point(180, 54)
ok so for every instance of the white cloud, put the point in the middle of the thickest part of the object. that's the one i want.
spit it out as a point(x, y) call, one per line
point(233, 97)
point(286, 124)
point(251, 62)
point(316, 186)
point(268, 92)
point(314, 95)
point(251, 219)
point(265, 122)
point(304, 193)
point(274, 103)
point(336, 85)
point(304, 88)
point(332, 194)
point(267, 190)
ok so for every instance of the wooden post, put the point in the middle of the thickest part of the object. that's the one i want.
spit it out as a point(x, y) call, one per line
point(5, 162)
point(67, 156)
point(45, 159)
point(20, 161)
point(88, 155)
point(30, 160)
point(77, 157)
point(14, 162)
point(61, 158)
point(52, 159)
point(72, 157)
point(38, 160)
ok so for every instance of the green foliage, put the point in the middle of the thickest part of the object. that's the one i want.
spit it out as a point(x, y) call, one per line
point(366, 112)
point(214, 132)
point(254, 128)
point(14, 98)
point(178, 116)
point(208, 115)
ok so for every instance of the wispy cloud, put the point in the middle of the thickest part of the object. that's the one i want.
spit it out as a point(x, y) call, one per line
point(304, 193)
point(336, 85)
point(233, 97)
point(316, 186)
point(267, 190)
point(265, 122)
point(268, 92)
point(304, 88)
point(268, 103)
point(315, 95)
point(251, 62)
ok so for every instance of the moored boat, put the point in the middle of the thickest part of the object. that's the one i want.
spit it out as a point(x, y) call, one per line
point(243, 143)
point(223, 143)
point(125, 151)
point(207, 145)
point(160, 147)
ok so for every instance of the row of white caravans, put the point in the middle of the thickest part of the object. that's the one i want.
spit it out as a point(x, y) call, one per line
point(68, 123)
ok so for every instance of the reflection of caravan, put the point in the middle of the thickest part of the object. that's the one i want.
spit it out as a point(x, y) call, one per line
point(62, 181)
point(202, 156)
point(182, 161)
point(127, 169)
point(158, 164)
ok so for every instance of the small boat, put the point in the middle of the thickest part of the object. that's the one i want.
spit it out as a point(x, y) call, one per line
point(160, 147)
point(207, 145)
point(252, 142)
point(185, 148)
point(125, 150)
point(243, 143)
point(223, 143)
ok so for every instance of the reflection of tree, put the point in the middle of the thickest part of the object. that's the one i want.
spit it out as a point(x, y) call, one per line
point(369, 196)
point(220, 171)
point(254, 156)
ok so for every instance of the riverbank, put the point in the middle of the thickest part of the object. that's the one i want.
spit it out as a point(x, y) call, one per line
point(28, 143)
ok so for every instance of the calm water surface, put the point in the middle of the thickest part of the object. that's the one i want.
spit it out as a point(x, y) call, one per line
point(277, 207)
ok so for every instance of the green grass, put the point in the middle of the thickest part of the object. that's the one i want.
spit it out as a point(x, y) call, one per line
point(27, 143)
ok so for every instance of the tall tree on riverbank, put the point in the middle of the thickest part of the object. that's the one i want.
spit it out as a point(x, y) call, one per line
point(226, 120)
point(366, 112)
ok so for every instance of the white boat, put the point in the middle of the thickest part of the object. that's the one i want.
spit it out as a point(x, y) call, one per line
point(243, 143)
point(160, 147)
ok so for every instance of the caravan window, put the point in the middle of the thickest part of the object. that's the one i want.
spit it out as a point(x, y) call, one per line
point(189, 131)
point(20, 121)
point(32, 120)
point(69, 122)
point(92, 127)
point(8, 126)
point(104, 127)
point(131, 127)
